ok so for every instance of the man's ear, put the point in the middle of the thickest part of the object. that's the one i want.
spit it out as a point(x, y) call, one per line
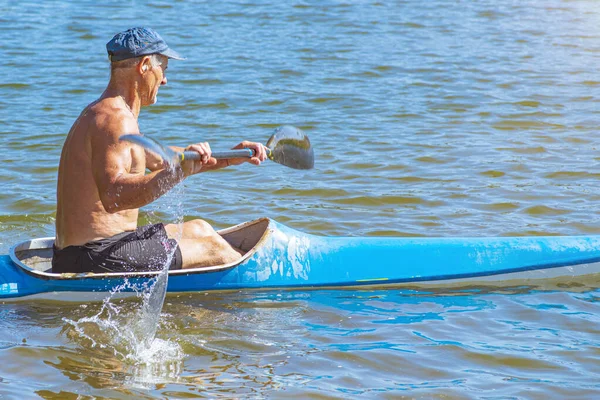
point(144, 65)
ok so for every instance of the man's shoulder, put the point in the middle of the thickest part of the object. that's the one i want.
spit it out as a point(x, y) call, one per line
point(111, 118)
point(110, 110)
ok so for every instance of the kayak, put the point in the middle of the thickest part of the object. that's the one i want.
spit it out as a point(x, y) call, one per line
point(279, 257)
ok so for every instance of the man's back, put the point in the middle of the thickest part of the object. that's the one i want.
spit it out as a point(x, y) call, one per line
point(81, 216)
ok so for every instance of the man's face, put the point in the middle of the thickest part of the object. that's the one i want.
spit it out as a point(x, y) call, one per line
point(156, 77)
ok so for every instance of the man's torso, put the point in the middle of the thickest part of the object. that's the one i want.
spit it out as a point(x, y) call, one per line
point(80, 216)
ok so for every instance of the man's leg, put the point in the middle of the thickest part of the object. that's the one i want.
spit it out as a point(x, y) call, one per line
point(201, 245)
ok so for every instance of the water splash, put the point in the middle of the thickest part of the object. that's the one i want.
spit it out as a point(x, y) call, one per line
point(126, 330)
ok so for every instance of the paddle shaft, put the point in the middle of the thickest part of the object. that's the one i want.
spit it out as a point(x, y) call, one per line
point(220, 155)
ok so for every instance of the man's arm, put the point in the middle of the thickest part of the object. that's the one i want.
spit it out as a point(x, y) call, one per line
point(211, 164)
point(153, 162)
point(119, 168)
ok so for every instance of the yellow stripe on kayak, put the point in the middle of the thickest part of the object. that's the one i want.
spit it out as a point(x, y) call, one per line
point(372, 279)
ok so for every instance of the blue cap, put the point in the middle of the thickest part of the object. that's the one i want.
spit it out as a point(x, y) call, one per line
point(137, 42)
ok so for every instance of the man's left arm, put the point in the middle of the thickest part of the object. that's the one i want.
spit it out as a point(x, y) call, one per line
point(260, 155)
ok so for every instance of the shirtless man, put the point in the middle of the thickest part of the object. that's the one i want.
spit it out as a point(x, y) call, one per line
point(102, 181)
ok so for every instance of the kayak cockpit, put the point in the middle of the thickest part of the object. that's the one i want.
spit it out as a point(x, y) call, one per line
point(35, 256)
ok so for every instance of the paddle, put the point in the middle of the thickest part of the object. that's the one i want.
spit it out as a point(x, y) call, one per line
point(288, 146)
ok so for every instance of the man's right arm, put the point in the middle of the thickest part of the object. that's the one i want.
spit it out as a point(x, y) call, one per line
point(119, 168)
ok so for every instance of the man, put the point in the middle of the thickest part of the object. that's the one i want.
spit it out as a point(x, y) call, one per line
point(102, 181)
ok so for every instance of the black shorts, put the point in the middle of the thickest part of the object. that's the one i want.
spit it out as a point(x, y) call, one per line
point(148, 248)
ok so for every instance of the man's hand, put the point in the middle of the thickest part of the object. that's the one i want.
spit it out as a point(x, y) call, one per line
point(260, 153)
point(191, 167)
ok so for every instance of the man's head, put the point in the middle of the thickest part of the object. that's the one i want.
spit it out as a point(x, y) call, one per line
point(141, 55)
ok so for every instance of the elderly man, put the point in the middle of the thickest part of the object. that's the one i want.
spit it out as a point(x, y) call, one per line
point(102, 181)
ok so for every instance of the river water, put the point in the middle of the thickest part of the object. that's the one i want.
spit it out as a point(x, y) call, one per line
point(436, 118)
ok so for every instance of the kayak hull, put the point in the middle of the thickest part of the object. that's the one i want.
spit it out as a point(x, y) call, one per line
point(286, 258)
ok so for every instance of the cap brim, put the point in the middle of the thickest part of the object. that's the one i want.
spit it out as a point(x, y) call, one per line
point(172, 54)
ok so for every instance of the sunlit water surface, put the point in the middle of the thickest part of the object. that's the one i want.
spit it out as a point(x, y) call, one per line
point(436, 118)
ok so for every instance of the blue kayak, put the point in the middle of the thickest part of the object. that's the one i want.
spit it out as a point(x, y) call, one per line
point(280, 257)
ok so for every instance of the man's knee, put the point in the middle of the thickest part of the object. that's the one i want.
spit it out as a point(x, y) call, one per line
point(207, 251)
point(198, 228)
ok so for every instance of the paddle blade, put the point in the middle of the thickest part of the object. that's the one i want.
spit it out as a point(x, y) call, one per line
point(291, 147)
point(152, 146)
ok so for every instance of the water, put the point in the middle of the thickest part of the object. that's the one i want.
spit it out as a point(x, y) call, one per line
point(327, 344)
point(469, 118)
